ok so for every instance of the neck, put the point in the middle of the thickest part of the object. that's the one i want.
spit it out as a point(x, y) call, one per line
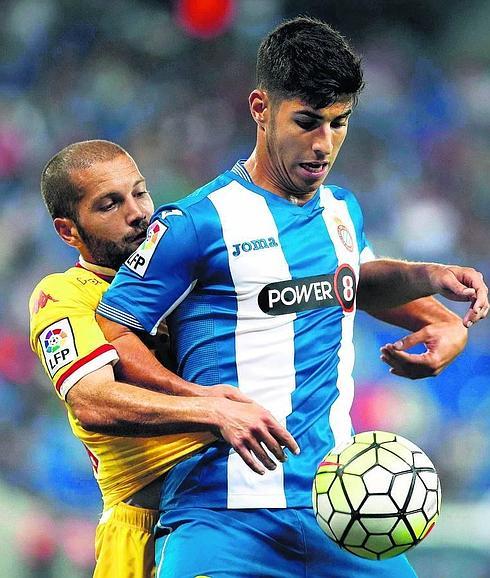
point(96, 268)
point(260, 168)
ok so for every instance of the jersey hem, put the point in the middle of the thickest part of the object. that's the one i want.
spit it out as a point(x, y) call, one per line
point(252, 502)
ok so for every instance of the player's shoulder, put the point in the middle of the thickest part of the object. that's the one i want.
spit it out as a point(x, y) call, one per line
point(352, 204)
point(194, 201)
point(57, 283)
point(346, 195)
point(340, 193)
point(73, 287)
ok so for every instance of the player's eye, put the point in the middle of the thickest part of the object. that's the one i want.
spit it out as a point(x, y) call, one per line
point(307, 123)
point(339, 123)
point(107, 206)
point(140, 194)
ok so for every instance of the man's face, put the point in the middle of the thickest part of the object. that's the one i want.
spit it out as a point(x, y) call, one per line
point(302, 143)
point(114, 211)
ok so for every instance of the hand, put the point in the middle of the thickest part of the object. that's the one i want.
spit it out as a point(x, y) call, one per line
point(226, 392)
point(249, 429)
point(462, 284)
point(443, 340)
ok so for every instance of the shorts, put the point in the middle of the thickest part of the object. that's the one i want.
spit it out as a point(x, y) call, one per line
point(282, 543)
point(124, 543)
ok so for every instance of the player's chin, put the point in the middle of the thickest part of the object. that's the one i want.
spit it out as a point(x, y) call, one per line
point(133, 245)
point(309, 186)
point(308, 183)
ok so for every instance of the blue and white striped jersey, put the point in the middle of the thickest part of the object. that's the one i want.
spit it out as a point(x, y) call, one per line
point(258, 293)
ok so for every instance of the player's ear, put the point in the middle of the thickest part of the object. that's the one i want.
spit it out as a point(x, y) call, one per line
point(259, 103)
point(68, 231)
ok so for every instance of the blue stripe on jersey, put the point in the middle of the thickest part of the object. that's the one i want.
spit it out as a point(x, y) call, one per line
point(315, 354)
point(204, 323)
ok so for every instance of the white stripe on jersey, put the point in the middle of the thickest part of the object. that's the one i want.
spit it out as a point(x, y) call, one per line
point(367, 255)
point(337, 213)
point(264, 344)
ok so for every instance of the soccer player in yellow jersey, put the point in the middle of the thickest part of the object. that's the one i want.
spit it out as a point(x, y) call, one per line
point(133, 433)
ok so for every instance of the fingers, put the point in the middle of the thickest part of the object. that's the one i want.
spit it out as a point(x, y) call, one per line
point(410, 365)
point(475, 291)
point(255, 435)
point(284, 438)
point(408, 341)
point(254, 449)
point(478, 310)
point(453, 289)
point(250, 460)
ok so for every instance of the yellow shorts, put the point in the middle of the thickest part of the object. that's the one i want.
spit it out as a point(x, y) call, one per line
point(124, 544)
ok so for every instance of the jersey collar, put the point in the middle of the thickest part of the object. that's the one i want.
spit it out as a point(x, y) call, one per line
point(240, 170)
point(104, 273)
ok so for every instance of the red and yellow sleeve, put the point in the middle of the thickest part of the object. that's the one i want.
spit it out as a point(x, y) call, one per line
point(63, 330)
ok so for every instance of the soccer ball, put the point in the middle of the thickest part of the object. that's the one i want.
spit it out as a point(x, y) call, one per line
point(377, 496)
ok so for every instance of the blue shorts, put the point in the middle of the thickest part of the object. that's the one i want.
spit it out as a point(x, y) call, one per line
point(284, 543)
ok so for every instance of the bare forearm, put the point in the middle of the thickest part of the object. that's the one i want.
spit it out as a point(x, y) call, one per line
point(138, 365)
point(417, 314)
point(116, 408)
point(103, 405)
point(387, 283)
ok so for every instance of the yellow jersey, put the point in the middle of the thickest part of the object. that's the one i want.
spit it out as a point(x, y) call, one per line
point(70, 344)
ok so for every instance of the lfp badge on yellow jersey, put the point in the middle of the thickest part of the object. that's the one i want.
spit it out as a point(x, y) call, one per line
point(58, 345)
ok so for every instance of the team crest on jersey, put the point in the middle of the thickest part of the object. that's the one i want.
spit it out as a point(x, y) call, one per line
point(345, 236)
point(140, 259)
point(58, 345)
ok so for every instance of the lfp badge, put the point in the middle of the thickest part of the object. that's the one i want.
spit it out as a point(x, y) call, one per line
point(58, 345)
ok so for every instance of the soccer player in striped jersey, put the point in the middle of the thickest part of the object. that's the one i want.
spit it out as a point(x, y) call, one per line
point(258, 274)
point(99, 204)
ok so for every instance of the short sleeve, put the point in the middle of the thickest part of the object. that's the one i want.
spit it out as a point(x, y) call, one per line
point(64, 333)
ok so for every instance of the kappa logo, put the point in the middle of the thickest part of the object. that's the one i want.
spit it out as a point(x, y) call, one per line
point(42, 301)
point(58, 345)
point(314, 292)
point(140, 259)
point(254, 245)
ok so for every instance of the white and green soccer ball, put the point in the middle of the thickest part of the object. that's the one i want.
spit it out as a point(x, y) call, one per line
point(377, 496)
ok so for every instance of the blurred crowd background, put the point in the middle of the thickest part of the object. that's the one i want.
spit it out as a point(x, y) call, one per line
point(169, 81)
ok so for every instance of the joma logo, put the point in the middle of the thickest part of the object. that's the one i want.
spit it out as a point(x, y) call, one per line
point(254, 245)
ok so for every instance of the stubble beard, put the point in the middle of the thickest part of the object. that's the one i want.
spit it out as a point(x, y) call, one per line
point(107, 253)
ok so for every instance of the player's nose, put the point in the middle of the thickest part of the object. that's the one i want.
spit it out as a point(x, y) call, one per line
point(323, 143)
point(134, 211)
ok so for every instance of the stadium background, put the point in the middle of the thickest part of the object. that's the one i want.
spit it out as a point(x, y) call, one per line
point(170, 84)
